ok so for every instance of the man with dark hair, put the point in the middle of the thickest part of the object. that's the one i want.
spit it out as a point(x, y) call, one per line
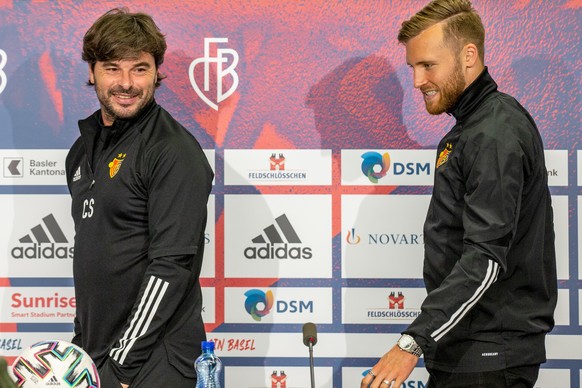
point(489, 266)
point(139, 183)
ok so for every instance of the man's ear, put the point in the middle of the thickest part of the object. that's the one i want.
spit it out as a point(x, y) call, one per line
point(470, 55)
point(91, 74)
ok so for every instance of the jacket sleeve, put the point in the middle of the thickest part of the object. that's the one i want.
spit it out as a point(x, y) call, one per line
point(179, 181)
point(494, 177)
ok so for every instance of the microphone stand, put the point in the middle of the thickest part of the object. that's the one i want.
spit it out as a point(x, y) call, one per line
point(311, 366)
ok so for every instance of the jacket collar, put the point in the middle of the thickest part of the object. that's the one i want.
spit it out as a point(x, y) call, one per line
point(472, 97)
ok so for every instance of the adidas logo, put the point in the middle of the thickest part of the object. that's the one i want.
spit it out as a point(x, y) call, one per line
point(77, 175)
point(281, 232)
point(38, 237)
point(53, 382)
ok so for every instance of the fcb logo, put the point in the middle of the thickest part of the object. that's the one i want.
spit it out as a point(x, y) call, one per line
point(444, 155)
point(115, 165)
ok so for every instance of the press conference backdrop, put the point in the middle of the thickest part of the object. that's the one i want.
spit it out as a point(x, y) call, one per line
point(291, 101)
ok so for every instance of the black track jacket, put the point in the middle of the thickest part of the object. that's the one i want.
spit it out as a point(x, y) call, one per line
point(489, 265)
point(139, 194)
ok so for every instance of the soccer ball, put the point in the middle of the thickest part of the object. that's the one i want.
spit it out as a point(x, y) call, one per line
point(54, 364)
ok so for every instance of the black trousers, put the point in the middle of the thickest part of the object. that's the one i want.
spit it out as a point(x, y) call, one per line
point(157, 372)
point(518, 377)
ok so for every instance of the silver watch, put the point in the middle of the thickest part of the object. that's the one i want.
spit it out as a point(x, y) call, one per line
point(408, 344)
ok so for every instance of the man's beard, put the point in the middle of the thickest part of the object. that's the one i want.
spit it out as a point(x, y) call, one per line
point(116, 111)
point(450, 92)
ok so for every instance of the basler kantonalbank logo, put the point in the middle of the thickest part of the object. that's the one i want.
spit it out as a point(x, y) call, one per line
point(278, 241)
point(45, 241)
point(221, 59)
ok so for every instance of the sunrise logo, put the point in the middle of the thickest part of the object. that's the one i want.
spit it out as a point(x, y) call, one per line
point(374, 161)
point(258, 303)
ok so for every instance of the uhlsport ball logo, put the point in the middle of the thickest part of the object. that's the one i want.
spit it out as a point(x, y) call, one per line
point(254, 299)
point(55, 364)
point(374, 161)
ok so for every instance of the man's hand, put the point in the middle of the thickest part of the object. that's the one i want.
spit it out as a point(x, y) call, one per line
point(392, 369)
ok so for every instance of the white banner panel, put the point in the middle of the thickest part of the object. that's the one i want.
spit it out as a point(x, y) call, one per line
point(13, 344)
point(277, 167)
point(579, 167)
point(209, 259)
point(382, 235)
point(381, 305)
point(351, 377)
point(562, 312)
point(388, 167)
point(36, 235)
point(33, 167)
point(561, 230)
point(553, 378)
point(37, 304)
point(563, 347)
point(277, 236)
point(579, 238)
point(557, 166)
point(208, 304)
point(279, 376)
point(278, 305)
point(211, 156)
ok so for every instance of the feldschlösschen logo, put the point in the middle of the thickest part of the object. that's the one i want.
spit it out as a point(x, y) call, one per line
point(375, 165)
point(38, 244)
point(258, 303)
point(279, 241)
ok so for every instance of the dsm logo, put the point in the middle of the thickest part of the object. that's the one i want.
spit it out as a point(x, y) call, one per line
point(259, 304)
point(376, 166)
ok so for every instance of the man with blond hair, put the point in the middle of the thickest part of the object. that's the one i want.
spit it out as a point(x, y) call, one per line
point(489, 266)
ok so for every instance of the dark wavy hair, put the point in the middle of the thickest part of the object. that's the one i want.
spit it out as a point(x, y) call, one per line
point(462, 24)
point(119, 34)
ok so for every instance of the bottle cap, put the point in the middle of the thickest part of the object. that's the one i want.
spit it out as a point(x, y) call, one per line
point(207, 345)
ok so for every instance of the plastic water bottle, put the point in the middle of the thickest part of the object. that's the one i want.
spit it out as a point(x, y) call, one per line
point(208, 367)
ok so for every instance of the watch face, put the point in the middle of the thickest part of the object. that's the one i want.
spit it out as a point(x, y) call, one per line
point(405, 342)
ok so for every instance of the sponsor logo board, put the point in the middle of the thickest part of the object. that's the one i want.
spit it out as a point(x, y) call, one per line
point(37, 304)
point(388, 167)
point(278, 236)
point(33, 167)
point(277, 167)
point(278, 305)
point(381, 305)
point(36, 236)
point(383, 232)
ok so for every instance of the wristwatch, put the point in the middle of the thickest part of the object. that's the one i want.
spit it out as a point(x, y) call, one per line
point(408, 344)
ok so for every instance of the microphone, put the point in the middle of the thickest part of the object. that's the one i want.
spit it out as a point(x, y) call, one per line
point(310, 339)
point(309, 334)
